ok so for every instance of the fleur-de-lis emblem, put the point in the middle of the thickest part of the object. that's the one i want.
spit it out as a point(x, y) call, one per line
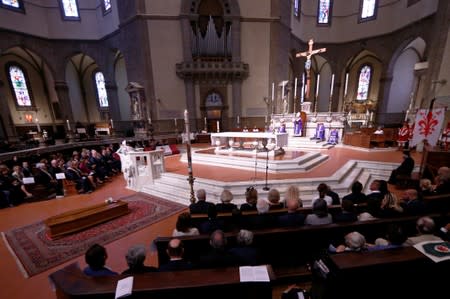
point(428, 123)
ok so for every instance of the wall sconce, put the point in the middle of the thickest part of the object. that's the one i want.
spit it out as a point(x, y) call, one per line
point(29, 118)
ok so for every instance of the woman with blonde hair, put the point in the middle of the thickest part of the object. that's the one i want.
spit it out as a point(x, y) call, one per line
point(293, 193)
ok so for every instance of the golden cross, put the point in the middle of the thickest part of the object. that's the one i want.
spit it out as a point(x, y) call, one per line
point(308, 54)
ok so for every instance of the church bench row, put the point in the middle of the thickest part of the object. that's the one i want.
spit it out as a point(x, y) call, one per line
point(394, 273)
point(296, 245)
point(70, 282)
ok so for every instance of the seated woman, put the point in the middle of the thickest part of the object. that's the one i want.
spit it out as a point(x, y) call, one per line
point(96, 257)
point(135, 258)
point(184, 226)
point(251, 197)
point(18, 174)
point(274, 200)
point(226, 206)
point(395, 237)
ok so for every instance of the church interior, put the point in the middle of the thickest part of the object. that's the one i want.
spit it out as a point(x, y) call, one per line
point(104, 100)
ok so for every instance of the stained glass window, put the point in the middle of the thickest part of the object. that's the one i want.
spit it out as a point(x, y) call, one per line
point(368, 9)
point(70, 9)
point(13, 4)
point(364, 83)
point(106, 6)
point(323, 16)
point(20, 86)
point(102, 96)
point(297, 8)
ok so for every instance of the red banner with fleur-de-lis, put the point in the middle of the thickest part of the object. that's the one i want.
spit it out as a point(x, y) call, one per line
point(428, 125)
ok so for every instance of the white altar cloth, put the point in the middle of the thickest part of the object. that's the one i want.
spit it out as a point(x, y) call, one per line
point(279, 139)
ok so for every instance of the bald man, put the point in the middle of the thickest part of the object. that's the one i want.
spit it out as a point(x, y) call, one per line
point(175, 251)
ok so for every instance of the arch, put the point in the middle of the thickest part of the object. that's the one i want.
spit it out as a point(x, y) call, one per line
point(231, 7)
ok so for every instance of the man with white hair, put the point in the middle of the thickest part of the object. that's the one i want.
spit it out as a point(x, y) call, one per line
point(135, 258)
point(425, 228)
point(443, 181)
point(245, 253)
point(201, 206)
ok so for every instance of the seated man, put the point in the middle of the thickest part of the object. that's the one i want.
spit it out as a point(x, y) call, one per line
point(320, 133)
point(96, 257)
point(405, 169)
point(175, 251)
point(201, 206)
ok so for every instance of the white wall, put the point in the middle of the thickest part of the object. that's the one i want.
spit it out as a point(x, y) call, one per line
point(166, 51)
point(92, 23)
point(345, 24)
point(255, 50)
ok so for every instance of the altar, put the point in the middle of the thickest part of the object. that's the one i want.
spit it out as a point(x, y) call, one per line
point(228, 139)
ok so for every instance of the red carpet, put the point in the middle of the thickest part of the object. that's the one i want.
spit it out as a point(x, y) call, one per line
point(35, 252)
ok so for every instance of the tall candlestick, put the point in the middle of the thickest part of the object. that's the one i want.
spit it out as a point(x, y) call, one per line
point(112, 124)
point(295, 88)
point(68, 125)
point(302, 96)
point(38, 126)
point(317, 85)
point(273, 91)
point(218, 126)
point(332, 85)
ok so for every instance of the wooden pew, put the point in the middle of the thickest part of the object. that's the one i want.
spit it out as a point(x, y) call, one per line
point(223, 283)
point(294, 246)
point(394, 273)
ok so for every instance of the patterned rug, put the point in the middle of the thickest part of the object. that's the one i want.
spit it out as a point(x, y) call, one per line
point(35, 252)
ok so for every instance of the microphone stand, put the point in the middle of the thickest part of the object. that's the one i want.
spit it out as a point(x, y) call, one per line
point(266, 187)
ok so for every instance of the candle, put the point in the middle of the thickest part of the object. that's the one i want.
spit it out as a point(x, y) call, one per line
point(149, 120)
point(282, 90)
point(218, 127)
point(295, 88)
point(175, 121)
point(112, 124)
point(317, 85)
point(332, 85)
point(273, 91)
point(38, 126)
point(265, 119)
point(68, 125)
point(238, 120)
point(346, 84)
point(186, 118)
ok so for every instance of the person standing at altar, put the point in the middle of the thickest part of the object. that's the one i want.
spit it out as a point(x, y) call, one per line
point(403, 136)
point(298, 125)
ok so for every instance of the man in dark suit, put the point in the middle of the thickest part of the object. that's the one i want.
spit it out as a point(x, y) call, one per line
point(293, 217)
point(411, 203)
point(175, 251)
point(218, 256)
point(405, 169)
point(201, 206)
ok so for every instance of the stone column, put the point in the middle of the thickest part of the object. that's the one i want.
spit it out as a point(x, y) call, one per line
point(236, 90)
point(385, 87)
point(190, 103)
point(62, 90)
point(9, 128)
point(113, 101)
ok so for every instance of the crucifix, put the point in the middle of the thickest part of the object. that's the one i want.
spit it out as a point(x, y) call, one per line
point(308, 54)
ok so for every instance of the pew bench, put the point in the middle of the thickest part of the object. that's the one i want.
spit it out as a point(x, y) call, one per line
point(295, 246)
point(222, 283)
point(377, 274)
